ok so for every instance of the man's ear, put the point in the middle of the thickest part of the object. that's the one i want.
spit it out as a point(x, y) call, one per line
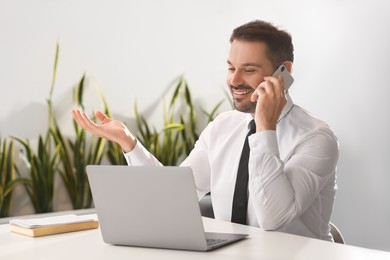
point(288, 65)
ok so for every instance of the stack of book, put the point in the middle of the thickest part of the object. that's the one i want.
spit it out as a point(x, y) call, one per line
point(36, 227)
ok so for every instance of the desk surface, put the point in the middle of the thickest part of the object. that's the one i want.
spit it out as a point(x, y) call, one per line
point(259, 245)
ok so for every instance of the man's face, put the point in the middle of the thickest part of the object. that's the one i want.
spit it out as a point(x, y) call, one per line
point(247, 66)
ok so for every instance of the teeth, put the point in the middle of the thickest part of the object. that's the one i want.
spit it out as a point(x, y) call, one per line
point(242, 92)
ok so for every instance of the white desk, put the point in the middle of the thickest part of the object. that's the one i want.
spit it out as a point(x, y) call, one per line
point(259, 245)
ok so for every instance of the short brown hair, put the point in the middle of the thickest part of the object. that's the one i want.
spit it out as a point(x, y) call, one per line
point(279, 42)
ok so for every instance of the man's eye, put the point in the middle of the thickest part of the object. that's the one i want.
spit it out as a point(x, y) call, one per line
point(249, 70)
point(230, 69)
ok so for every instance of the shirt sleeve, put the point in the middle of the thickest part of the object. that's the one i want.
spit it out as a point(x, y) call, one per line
point(199, 162)
point(283, 191)
point(140, 156)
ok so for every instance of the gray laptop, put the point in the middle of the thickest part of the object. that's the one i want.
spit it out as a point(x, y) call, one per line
point(151, 206)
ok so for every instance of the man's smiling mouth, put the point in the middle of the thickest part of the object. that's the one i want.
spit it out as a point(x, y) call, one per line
point(242, 91)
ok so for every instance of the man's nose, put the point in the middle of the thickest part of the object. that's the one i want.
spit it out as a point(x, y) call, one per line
point(236, 79)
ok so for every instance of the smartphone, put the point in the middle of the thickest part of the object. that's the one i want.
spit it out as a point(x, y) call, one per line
point(287, 78)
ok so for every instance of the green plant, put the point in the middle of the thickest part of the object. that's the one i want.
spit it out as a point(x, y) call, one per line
point(8, 179)
point(180, 131)
point(43, 164)
point(75, 155)
point(42, 167)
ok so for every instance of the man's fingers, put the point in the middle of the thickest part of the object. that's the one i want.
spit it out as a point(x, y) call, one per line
point(276, 83)
point(77, 116)
point(260, 90)
point(89, 124)
point(102, 117)
point(85, 122)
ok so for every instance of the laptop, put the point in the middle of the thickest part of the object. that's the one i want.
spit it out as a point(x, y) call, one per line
point(151, 206)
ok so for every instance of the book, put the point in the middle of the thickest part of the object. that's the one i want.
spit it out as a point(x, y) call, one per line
point(52, 225)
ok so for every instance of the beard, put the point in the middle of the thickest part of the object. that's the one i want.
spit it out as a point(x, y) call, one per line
point(243, 104)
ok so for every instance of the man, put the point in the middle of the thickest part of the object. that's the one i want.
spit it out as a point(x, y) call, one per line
point(290, 177)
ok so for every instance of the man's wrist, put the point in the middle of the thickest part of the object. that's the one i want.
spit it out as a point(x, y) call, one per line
point(128, 145)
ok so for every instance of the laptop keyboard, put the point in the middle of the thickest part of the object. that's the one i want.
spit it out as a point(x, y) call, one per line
point(214, 241)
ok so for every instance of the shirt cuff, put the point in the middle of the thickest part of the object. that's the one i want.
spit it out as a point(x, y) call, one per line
point(138, 156)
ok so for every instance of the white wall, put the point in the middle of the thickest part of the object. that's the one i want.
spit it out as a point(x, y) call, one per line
point(134, 49)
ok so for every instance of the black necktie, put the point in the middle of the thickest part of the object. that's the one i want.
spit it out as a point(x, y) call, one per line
point(240, 198)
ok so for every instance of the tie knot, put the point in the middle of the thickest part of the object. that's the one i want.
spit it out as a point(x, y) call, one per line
point(252, 126)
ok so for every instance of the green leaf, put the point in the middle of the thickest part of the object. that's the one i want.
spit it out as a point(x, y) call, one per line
point(54, 75)
point(176, 92)
point(174, 126)
point(78, 92)
point(213, 113)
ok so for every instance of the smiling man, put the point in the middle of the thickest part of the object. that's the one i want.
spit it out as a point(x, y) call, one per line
point(268, 163)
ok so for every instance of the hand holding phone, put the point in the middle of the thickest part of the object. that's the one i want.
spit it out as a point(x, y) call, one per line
point(287, 77)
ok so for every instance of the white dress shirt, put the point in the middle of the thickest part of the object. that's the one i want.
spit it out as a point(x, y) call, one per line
point(292, 171)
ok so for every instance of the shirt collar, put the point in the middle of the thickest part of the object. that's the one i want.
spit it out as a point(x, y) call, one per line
point(287, 107)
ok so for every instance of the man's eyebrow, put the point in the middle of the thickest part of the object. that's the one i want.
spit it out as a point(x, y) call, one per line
point(247, 64)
